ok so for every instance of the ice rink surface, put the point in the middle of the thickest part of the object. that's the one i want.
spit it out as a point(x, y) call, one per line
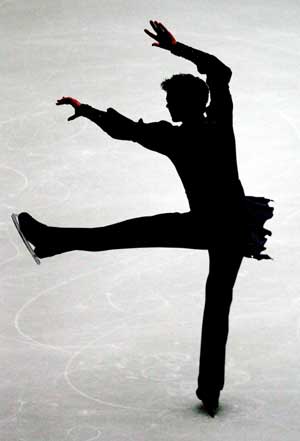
point(105, 346)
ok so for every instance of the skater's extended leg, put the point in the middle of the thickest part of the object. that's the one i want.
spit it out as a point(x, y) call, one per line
point(223, 270)
point(179, 230)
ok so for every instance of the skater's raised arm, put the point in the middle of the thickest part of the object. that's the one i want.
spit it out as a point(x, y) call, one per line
point(153, 136)
point(218, 74)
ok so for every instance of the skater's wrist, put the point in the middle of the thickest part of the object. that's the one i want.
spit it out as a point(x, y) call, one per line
point(83, 108)
point(90, 113)
point(75, 103)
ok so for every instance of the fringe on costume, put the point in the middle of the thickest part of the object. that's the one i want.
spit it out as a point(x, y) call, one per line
point(257, 211)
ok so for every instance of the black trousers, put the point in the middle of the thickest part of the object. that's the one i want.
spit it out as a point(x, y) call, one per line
point(179, 230)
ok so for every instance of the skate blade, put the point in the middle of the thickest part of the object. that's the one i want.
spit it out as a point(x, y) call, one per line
point(26, 243)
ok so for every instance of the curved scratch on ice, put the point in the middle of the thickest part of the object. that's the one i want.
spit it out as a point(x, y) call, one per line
point(31, 301)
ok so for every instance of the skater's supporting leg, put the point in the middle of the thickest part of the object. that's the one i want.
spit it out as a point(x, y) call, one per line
point(177, 230)
point(223, 270)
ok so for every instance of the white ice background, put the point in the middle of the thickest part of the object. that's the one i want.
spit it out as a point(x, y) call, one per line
point(105, 346)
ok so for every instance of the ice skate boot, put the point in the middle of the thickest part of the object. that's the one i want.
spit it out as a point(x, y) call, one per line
point(210, 401)
point(35, 235)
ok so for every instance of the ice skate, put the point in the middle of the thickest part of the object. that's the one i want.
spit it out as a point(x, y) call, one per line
point(36, 236)
point(15, 219)
point(210, 402)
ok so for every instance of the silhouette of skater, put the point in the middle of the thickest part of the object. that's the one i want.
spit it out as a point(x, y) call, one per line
point(221, 219)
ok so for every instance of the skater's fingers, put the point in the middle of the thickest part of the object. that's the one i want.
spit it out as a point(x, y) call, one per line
point(62, 101)
point(154, 25)
point(164, 37)
point(162, 27)
point(166, 34)
point(68, 100)
point(150, 34)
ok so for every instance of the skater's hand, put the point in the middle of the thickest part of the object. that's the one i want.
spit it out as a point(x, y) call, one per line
point(73, 102)
point(164, 38)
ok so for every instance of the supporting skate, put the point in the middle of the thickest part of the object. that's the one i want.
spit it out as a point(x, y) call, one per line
point(210, 406)
point(210, 402)
point(27, 244)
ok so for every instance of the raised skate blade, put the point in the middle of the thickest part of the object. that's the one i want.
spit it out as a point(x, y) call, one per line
point(27, 244)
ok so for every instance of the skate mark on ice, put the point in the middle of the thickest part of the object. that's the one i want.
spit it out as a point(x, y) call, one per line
point(11, 244)
point(75, 432)
point(292, 124)
point(68, 370)
point(108, 296)
point(30, 304)
point(12, 182)
point(129, 371)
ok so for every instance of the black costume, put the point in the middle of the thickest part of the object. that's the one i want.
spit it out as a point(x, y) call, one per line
point(204, 155)
point(221, 219)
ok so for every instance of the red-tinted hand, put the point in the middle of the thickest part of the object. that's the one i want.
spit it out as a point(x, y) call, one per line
point(164, 38)
point(73, 102)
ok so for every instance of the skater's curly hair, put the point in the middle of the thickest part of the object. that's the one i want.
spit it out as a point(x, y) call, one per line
point(187, 85)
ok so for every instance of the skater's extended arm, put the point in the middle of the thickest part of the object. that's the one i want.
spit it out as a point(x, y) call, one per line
point(218, 74)
point(95, 115)
point(154, 136)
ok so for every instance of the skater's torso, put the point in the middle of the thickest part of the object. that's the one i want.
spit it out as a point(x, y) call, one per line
point(205, 158)
point(204, 155)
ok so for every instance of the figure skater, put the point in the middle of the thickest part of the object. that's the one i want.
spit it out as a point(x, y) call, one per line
point(221, 219)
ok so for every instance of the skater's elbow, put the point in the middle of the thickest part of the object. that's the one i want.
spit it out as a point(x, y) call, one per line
point(225, 73)
point(229, 73)
point(219, 73)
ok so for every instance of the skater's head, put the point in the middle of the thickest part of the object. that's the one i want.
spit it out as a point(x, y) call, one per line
point(187, 96)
